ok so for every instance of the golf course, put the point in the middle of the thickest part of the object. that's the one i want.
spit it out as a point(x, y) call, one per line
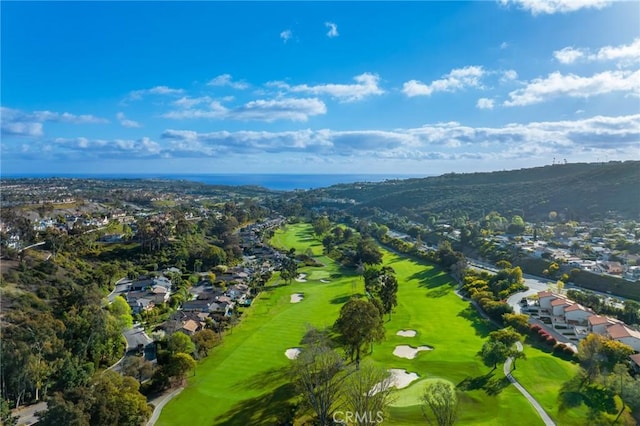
point(245, 380)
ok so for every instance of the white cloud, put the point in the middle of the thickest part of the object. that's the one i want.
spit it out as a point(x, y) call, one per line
point(293, 109)
point(504, 45)
point(124, 122)
point(624, 55)
point(457, 79)
point(187, 102)
point(226, 80)
point(137, 95)
point(333, 29)
point(568, 55)
point(558, 84)
point(19, 123)
point(366, 85)
point(537, 7)
point(484, 103)
point(509, 75)
point(286, 35)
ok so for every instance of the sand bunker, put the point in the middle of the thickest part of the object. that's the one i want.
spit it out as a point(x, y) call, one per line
point(292, 353)
point(409, 352)
point(400, 379)
point(301, 278)
point(296, 297)
point(324, 281)
point(407, 333)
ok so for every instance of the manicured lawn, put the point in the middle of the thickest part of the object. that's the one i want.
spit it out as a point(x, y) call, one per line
point(244, 381)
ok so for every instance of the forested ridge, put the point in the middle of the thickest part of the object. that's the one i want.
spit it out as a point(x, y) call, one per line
point(580, 191)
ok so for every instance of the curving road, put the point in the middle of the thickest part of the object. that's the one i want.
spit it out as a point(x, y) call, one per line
point(536, 405)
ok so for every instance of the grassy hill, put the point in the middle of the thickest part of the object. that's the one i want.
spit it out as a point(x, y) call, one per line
point(580, 191)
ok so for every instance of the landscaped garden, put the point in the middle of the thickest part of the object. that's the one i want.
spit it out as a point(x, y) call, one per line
point(245, 380)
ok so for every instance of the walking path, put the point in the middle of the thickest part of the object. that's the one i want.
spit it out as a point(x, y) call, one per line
point(159, 404)
point(548, 421)
point(536, 405)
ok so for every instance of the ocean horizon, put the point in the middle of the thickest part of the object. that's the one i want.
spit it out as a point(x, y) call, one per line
point(272, 181)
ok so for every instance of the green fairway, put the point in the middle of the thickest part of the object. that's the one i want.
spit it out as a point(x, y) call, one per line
point(244, 381)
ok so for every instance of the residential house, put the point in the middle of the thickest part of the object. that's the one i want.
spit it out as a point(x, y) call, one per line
point(626, 335)
point(559, 304)
point(598, 324)
point(577, 314)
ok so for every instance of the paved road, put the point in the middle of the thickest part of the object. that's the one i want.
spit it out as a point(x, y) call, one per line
point(26, 415)
point(536, 405)
point(121, 288)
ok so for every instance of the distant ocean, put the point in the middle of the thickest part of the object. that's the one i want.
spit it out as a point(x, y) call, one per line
point(277, 182)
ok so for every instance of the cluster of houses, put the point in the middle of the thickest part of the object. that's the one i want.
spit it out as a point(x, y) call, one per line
point(563, 313)
point(213, 301)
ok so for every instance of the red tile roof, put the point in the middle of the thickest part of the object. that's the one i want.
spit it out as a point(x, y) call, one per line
point(575, 307)
point(635, 358)
point(597, 319)
point(560, 301)
point(545, 293)
point(619, 331)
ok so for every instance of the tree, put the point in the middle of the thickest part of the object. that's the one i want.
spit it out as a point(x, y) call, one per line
point(180, 342)
point(5, 414)
point(519, 322)
point(204, 340)
point(318, 375)
point(598, 353)
point(178, 365)
point(110, 399)
point(441, 399)
point(507, 335)
point(137, 367)
point(494, 353)
point(121, 310)
point(388, 293)
point(359, 323)
point(382, 283)
point(367, 251)
point(321, 225)
point(367, 391)
point(288, 269)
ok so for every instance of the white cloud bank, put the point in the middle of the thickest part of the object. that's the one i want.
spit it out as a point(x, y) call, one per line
point(366, 84)
point(457, 79)
point(584, 138)
point(293, 109)
point(624, 55)
point(549, 7)
point(558, 84)
point(19, 123)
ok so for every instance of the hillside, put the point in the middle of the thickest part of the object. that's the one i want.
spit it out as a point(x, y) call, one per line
point(580, 191)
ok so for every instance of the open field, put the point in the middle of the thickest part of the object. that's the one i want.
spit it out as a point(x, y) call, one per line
point(244, 381)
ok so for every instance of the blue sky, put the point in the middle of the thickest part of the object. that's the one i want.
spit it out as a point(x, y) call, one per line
point(317, 87)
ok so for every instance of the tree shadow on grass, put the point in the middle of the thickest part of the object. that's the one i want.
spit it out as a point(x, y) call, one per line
point(491, 385)
point(341, 299)
point(263, 379)
point(273, 408)
point(482, 325)
point(433, 278)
